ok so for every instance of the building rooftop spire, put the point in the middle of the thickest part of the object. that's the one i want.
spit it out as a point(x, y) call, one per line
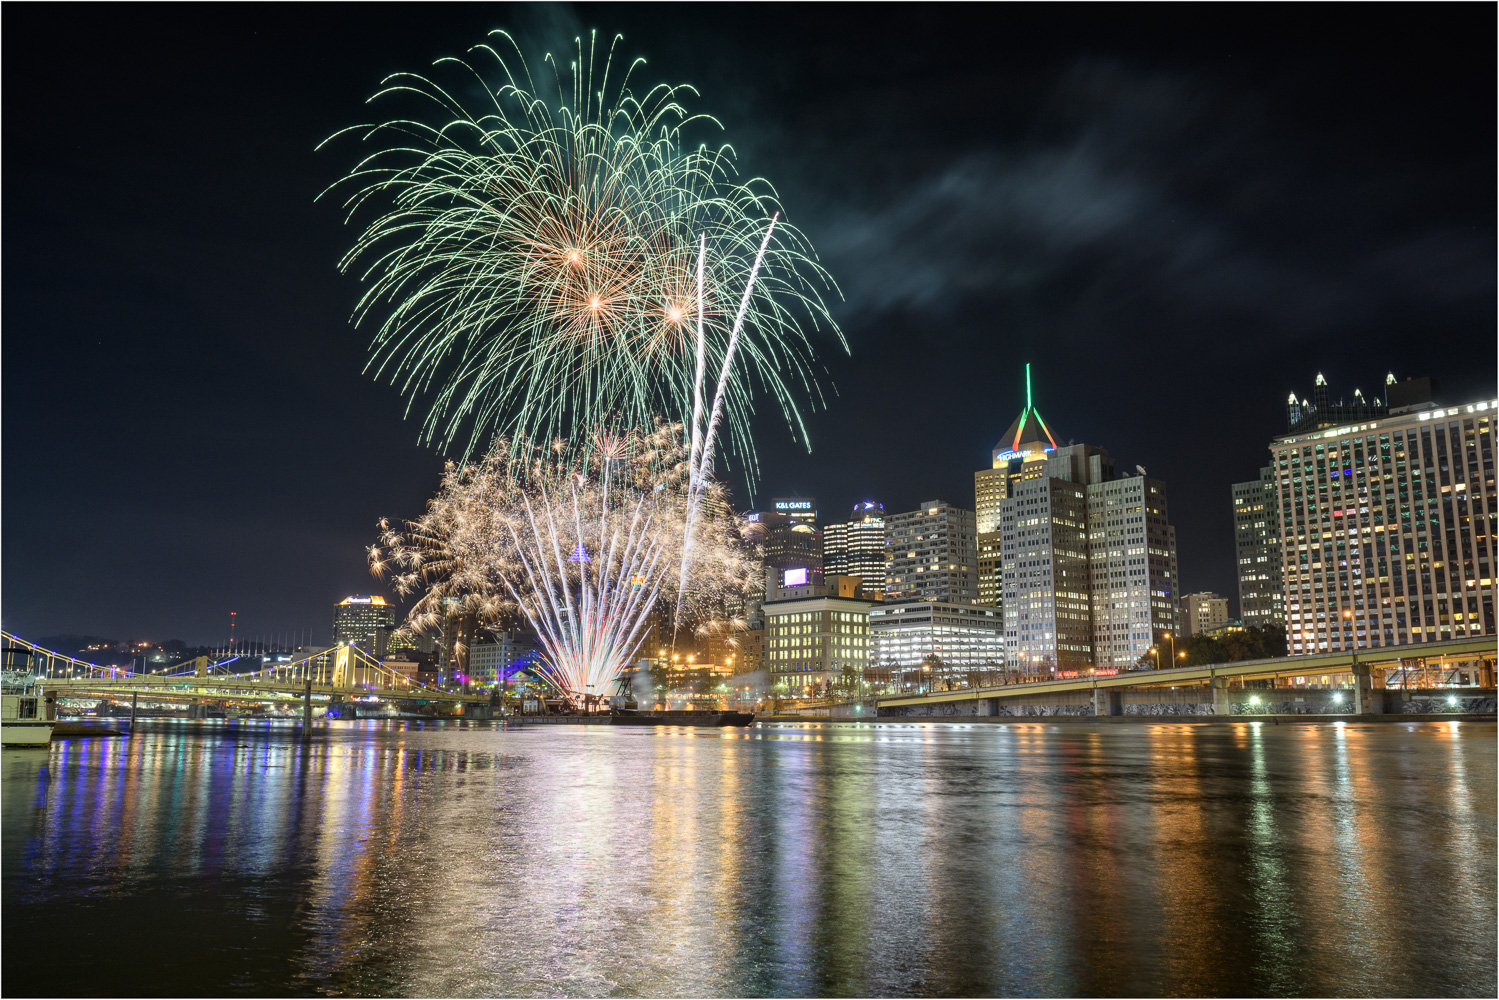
point(1028, 436)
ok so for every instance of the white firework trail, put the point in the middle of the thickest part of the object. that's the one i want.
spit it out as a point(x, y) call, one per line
point(581, 548)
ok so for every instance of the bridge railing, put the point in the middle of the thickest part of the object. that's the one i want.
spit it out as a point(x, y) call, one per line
point(49, 663)
point(358, 670)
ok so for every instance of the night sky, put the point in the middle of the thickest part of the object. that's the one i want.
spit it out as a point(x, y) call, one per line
point(1177, 216)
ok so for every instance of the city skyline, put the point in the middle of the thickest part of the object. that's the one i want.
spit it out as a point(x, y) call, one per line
point(218, 448)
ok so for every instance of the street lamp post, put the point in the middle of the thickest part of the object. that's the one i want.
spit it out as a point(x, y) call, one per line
point(1173, 649)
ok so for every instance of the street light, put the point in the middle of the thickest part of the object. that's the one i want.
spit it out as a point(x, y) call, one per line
point(1173, 648)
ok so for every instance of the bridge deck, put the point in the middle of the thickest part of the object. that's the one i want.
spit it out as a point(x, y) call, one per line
point(246, 690)
point(1320, 663)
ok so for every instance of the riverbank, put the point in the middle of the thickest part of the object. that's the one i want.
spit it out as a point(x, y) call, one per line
point(1128, 720)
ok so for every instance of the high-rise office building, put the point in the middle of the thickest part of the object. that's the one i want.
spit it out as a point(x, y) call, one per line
point(1087, 559)
point(1388, 524)
point(1016, 457)
point(931, 554)
point(367, 621)
point(1132, 548)
point(1203, 613)
point(789, 543)
point(1257, 551)
point(857, 547)
point(1046, 600)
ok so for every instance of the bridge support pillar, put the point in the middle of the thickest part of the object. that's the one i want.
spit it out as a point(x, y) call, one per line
point(307, 709)
point(1220, 696)
point(134, 699)
point(1107, 701)
point(1366, 701)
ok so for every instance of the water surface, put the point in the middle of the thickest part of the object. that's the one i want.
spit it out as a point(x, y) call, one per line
point(1046, 859)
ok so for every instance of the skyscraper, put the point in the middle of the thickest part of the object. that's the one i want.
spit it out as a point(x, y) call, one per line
point(789, 543)
point(1017, 457)
point(1046, 597)
point(857, 547)
point(1087, 559)
point(1257, 551)
point(931, 554)
point(367, 621)
point(1388, 524)
point(1132, 548)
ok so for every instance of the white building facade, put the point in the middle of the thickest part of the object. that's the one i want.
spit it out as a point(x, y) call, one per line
point(1132, 552)
point(959, 644)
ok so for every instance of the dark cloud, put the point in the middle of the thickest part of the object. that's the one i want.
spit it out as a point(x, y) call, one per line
point(1156, 187)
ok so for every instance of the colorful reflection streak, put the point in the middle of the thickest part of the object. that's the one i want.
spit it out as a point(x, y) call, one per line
point(897, 859)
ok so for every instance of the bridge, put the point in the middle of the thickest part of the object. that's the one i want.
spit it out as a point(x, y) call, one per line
point(344, 673)
point(1454, 676)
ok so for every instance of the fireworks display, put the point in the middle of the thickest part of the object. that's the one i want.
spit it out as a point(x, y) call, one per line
point(581, 543)
point(560, 255)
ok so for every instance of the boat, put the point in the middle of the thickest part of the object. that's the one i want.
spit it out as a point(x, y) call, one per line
point(24, 710)
point(684, 717)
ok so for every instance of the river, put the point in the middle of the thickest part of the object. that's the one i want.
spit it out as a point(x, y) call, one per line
point(1047, 859)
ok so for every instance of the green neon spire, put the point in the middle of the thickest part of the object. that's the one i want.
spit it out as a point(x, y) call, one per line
point(1025, 416)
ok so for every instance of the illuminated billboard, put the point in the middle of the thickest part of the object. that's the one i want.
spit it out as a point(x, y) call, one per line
point(794, 578)
point(803, 509)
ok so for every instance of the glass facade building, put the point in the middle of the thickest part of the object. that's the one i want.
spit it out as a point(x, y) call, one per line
point(935, 645)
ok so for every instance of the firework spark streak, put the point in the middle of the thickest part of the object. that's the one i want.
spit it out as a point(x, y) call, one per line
point(532, 258)
point(581, 543)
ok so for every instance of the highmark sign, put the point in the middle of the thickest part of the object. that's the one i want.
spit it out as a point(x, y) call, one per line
point(1024, 453)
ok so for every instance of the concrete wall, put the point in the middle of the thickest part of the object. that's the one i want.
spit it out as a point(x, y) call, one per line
point(1472, 701)
point(1199, 701)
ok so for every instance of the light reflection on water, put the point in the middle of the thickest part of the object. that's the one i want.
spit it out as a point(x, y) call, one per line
point(891, 859)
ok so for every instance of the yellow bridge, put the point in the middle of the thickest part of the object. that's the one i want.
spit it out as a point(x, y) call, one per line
point(1362, 681)
point(343, 673)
